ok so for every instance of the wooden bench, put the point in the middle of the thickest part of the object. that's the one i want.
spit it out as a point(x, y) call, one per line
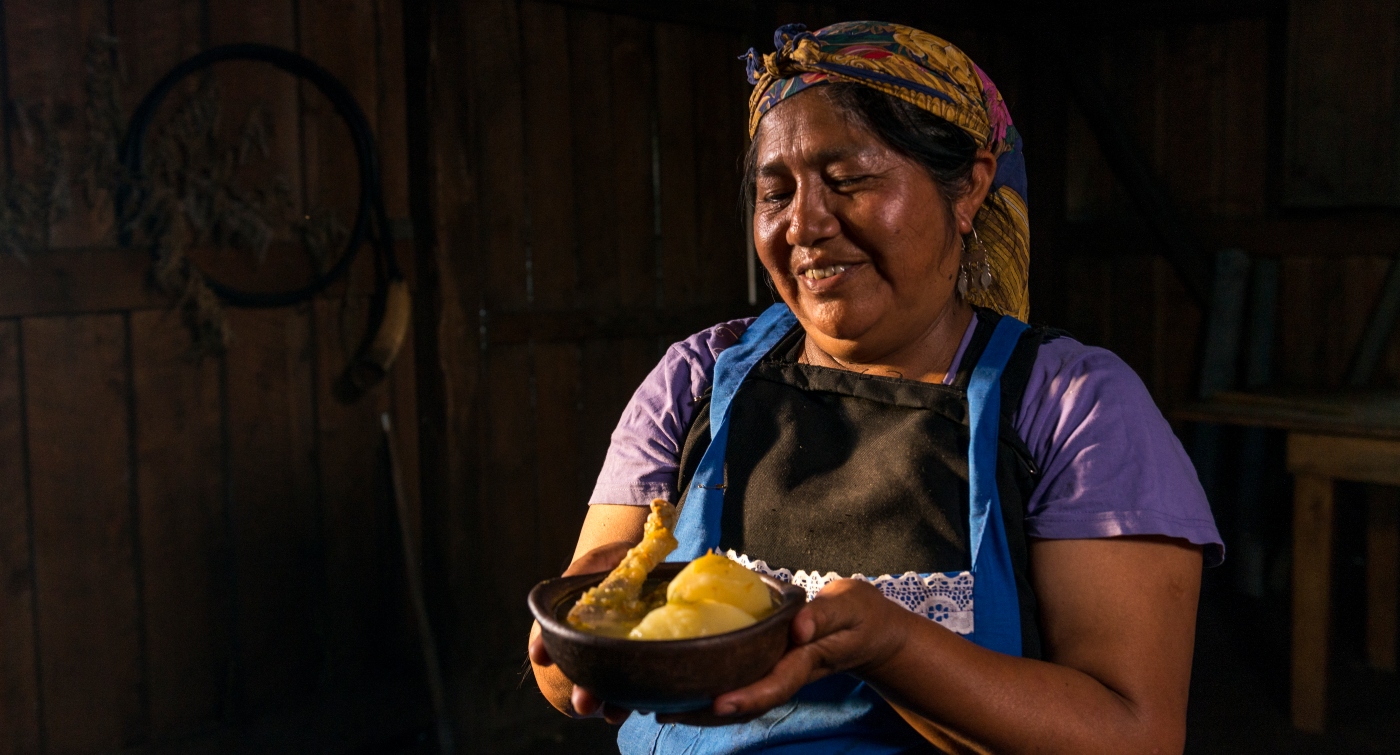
point(1336, 436)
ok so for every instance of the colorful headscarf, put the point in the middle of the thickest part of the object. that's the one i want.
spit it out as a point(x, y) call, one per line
point(932, 74)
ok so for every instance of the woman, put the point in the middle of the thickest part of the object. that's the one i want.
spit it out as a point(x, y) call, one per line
point(1037, 530)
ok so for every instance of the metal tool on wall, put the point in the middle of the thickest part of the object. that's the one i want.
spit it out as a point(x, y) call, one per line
point(391, 305)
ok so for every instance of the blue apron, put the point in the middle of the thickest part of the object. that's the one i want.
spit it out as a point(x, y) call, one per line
point(840, 714)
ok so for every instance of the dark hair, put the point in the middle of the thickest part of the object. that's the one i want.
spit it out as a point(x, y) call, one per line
point(944, 150)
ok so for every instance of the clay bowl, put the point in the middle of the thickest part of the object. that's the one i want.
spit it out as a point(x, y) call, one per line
point(662, 676)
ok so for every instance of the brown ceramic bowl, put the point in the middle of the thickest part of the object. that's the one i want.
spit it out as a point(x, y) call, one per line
point(663, 676)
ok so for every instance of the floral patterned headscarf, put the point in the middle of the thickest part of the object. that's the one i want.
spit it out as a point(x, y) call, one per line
point(931, 74)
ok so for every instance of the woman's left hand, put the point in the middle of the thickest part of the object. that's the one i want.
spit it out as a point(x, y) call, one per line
point(849, 626)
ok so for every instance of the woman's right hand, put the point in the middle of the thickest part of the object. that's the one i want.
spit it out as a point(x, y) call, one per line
point(557, 689)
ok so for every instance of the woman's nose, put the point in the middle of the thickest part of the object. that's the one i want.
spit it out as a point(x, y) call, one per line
point(811, 220)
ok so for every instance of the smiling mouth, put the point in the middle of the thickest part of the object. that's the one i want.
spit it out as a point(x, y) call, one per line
point(818, 273)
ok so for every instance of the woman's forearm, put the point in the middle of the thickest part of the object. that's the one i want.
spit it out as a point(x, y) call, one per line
point(1117, 621)
point(989, 701)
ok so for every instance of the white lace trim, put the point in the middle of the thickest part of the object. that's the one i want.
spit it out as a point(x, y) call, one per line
point(945, 598)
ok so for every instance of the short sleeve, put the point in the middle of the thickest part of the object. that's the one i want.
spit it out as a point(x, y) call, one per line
point(1111, 464)
point(644, 455)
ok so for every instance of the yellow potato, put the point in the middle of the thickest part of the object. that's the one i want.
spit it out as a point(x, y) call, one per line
point(714, 577)
point(679, 621)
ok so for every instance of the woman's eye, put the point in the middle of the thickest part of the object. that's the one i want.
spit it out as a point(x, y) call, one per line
point(847, 181)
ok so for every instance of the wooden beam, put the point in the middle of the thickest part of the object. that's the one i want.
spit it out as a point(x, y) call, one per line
point(1369, 233)
point(1359, 459)
point(567, 325)
point(74, 281)
point(1095, 14)
point(94, 280)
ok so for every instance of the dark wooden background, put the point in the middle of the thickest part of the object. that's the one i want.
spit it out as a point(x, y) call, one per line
point(187, 544)
point(201, 556)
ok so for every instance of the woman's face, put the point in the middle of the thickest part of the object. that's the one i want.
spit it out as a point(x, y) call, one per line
point(858, 239)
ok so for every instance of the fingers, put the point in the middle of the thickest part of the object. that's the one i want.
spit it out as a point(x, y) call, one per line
point(602, 558)
point(539, 655)
point(585, 704)
point(615, 714)
point(588, 706)
point(794, 670)
point(840, 606)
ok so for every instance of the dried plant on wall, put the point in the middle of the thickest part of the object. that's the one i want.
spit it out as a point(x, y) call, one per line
point(187, 197)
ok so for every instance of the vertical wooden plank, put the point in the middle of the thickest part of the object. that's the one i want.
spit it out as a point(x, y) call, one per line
point(183, 532)
point(90, 633)
point(508, 517)
point(561, 476)
point(441, 96)
point(252, 89)
point(1341, 134)
point(1044, 119)
point(273, 507)
point(392, 133)
point(179, 452)
point(718, 144)
point(340, 36)
point(598, 408)
point(544, 30)
point(356, 509)
point(680, 264)
point(633, 94)
point(1132, 313)
point(1312, 342)
point(1178, 333)
point(549, 170)
point(152, 36)
point(44, 54)
point(1382, 573)
point(1240, 103)
point(501, 147)
point(590, 57)
point(19, 680)
point(1312, 605)
point(390, 124)
point(273, 512)
point(1186, 66)
point(596, 212)
point(1086, 309)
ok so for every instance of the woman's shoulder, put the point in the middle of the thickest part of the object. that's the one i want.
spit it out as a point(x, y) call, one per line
point(646, 445)
point(695, 355)
point(1111, 463)
point(1066, 369)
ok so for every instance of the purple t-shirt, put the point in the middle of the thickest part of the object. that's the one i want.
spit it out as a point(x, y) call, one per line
point(1111, 465)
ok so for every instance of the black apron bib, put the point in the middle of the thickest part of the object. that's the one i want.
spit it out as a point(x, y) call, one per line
point(833, 471)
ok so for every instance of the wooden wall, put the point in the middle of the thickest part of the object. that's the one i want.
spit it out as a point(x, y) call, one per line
point(191, 546)
point(1222, 107)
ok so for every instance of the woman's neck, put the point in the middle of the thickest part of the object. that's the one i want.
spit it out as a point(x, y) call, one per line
point(926, 358)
